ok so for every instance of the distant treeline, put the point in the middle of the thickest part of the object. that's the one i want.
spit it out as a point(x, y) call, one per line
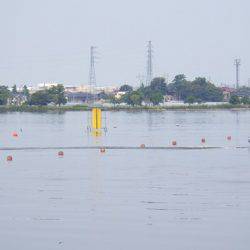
point(200, 90)
point(55, 95)
point(197, 91)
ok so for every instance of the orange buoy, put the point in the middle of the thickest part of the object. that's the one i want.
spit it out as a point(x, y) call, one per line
point(174, 143)
point(9, 158)
point(229, 138)
point(15, 134)
point(203, 140)
point(102, 150)
point(143, 146)
point(60, 153)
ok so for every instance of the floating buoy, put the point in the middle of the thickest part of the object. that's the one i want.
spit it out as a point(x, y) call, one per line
point(15, 134)
point(142, 146)
point(174, 143)
point(229, 138)
point(203, 140)
point(102, 150)
point(9, 158)
point(61, 153)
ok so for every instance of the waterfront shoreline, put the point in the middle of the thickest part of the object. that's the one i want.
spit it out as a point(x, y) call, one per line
point(34, 109)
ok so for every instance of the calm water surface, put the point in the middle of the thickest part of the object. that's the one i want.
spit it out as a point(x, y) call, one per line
point(126, 199)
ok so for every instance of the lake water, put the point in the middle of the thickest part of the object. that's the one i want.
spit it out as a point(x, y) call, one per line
point(126, 199)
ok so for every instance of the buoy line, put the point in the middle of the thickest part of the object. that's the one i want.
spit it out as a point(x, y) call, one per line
point(120, 147)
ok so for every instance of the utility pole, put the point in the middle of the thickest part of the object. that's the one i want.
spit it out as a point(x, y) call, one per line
point(149, 63)
point(92, 76)
point(237, 63)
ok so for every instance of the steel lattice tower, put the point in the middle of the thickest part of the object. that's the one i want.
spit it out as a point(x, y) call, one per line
point(149, 63)
point(92, 76)
point(237, 63)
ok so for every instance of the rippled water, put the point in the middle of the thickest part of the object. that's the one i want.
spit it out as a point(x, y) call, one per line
point(126, 199)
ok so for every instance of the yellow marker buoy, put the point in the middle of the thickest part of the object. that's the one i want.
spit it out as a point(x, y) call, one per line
point(96, 118)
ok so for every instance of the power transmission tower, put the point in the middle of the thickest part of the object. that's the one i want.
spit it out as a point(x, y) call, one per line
point(149, 63)
point(92, 76)
point(237, 63)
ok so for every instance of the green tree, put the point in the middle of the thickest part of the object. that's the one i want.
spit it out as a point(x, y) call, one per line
point(234, 99)
point(113, 100)
point(57, 94)
point(26, 92)
point(14, 90)
point(159, 84)
point(156, 97)
point(179, 87)
point(190, 100)
point(200, 89)
point(126, 88)
point(132, 98)
point(136, 98)
point(4, 95)
point(245, 100)
point(40, 98)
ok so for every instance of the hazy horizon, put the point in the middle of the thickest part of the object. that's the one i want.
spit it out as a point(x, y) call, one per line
point(49, 41)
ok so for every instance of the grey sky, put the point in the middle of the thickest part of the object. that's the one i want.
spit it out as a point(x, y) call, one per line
point(49, 40)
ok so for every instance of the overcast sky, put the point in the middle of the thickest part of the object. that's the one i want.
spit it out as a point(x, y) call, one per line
point(49, 40)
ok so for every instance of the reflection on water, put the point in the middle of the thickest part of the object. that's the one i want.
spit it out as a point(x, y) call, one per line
point(126, 199)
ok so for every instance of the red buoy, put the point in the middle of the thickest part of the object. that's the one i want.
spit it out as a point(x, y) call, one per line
point(203, 140)
point(9, 158)
point(174, 143)
point(102, 150)
point(143, 146)
point(15, 134)
point(60, 153)
point(229, 138)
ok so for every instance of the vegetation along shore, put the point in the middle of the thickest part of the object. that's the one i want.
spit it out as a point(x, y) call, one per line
point(180, 94)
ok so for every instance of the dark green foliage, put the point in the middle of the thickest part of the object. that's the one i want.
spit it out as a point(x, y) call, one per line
point(14, 90)
point(54, 95)
point(40, 98)
point(126, 88)
point(234, 99)
point(156, 97)
point(200, 89)
point(245, 100)
point(4, 95)
point(190, 100)
point(133, 98)
point(26, 92)
point(57, 95)
point(178, 87)
point(159, 85)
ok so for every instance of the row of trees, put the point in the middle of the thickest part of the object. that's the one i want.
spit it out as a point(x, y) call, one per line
point(55, 95)
point(234, 99)
point(198, 90)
